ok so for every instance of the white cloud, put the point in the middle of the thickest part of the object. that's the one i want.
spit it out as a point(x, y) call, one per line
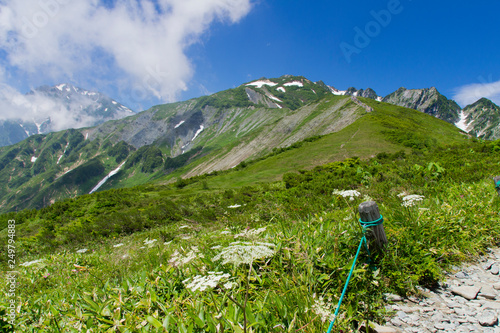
point(141, 42)
point(471, 93)
point(38, 107)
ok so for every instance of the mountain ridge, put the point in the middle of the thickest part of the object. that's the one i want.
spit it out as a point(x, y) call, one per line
point(203, 135)
point(54, 108)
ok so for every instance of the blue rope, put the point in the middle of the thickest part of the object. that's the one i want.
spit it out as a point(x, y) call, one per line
point(364, 242)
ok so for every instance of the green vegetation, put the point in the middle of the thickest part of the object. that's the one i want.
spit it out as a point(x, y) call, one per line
point(181, 160)
point(230, 129)
point(148, 247)
point(121, 151)
point(234, 98)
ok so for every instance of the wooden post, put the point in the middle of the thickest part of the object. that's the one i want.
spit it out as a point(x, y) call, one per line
point(496, 180)
point(368, 212)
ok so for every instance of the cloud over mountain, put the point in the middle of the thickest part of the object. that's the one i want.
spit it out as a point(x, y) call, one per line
point(471, 93)
point(141, 43)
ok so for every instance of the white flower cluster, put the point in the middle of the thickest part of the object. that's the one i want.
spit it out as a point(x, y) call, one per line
point(149, 242)
point(178, 259)
point(118, 245)
point(82, 251)
point(234, 206)
point(244, 253)
point(209, 281)
point(249, 233)
point(411, 200)
point(347, 194)
point(29, 263)
point(323, 309)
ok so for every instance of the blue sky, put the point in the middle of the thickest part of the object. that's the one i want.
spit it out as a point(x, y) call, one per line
point(447, 44)
point(143, 53)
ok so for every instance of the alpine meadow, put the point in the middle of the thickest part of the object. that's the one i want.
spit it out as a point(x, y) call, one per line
point(249, 166)
point(238, 211)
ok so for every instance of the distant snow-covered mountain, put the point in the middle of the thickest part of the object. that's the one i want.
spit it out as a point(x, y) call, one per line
point(46, 109)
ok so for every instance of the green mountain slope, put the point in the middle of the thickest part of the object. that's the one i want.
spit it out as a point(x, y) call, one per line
point(212, 133)
point(482, 119)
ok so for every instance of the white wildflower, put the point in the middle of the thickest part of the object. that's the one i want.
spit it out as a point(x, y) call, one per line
point(203, 283)
point(230, 285)
point(244, 253)
point(166, 243)
point(184, 227)
point(29, 263)
point(216, 247)
point(323, 309)
point(150, 242)
point(186, 237)
point(118, 245)
point(234, 206)
point(225, 232)
point(412, 200)
point(179, 259)
point(402, 194)
point(250, 232)
point(347, 194)
point(125, 256)
point(82, 251)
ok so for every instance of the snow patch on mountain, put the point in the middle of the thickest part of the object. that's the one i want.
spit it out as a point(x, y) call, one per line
point(198, 132)
point(24, 129)
point(33, 159)
point(294, 83)
point(337, 92)
point(105, 179)
point(261, 83)
point(282, 89)
point(275, 98)
point(462, 123)
point(179, 124)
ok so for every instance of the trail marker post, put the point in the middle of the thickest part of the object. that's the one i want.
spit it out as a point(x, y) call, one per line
point(369, 212)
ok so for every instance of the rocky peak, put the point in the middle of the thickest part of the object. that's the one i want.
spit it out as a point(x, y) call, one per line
point(481, 119)
point(427, 100)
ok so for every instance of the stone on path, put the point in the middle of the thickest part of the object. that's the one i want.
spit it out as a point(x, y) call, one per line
point(393, 297)
point(488, 265)
point(383, 329)
point(488, 292)
point(494, 269)
point(491, 305)
point(488, 318)
point(469, 292)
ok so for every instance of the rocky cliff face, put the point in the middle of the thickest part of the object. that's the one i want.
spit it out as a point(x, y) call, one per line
point(481, 119)
point(429, 101)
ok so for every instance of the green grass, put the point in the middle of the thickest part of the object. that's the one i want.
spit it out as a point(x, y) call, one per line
point(139, 287)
